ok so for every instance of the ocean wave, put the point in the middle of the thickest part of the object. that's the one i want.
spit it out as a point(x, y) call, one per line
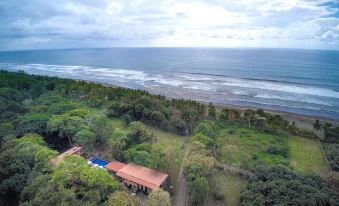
point(281, 87)
point(218, 84)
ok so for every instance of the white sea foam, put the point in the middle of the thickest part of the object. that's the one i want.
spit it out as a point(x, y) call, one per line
point(281, 87)
point(218, 85)
point(293, 98)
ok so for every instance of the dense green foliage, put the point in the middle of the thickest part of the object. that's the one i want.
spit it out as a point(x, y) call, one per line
point(159, 197)
point(280, 186)
point(21, 160)
point(122, 198)
point(39, 115)
point(332, 154)
point(72, 182)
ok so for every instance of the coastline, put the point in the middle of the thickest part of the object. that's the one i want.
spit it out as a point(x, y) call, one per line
point(302, 121)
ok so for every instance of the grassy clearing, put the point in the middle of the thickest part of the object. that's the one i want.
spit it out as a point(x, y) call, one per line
point(228, 184)
point(174, 145)
point(247, 148)
point(306, 156)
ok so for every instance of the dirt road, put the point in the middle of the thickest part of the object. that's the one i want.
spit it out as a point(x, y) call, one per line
point(181, 192)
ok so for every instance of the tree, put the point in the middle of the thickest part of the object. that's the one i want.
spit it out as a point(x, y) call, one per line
point(65, 126)
point(35, 123)
point(207, 141)
point(102, 129)
point(73, 177)
point(198, 189)
point(179, 125)
point(21, 160)
point(86, 138)
point(158, 118)
point(317, 125)
point(249, 116)
point(159, 197)
point(207, 129)
point(139, 134)
point(279, 185)
point(120, 198)
point(211, 111)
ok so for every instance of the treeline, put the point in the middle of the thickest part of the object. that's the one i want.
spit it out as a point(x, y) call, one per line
point(330, 144)
point(39, 114)
point(279, 185)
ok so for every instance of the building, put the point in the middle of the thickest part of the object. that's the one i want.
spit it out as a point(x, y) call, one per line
point(60, 157)
point(139, 177)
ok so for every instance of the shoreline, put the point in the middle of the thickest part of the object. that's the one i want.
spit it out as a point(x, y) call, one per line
point(302, 121)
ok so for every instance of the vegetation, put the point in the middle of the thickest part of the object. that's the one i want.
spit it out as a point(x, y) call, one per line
point(279, 185)
point(225, 189)
point(159, 197)
point(122, 198)
point(306, 156)
point(247, 148)
point(72, 182)
point(332, 154)
point(40, 116)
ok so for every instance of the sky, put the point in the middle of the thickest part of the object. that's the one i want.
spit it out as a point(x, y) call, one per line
point(48, 24)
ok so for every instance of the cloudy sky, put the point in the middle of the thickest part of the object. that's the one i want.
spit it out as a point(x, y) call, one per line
point(39, 24)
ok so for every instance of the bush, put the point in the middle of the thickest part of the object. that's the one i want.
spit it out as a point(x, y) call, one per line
point(332, 154)
point(278, 151)
point(219, 195)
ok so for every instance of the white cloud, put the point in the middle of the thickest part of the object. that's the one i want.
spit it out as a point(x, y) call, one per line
point(64, 23)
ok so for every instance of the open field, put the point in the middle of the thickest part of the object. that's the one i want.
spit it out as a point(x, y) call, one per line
point(228, 184)
point(246, 148)
point(306, 156)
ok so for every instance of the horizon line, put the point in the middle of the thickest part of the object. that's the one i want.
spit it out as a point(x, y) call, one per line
point(159, 47)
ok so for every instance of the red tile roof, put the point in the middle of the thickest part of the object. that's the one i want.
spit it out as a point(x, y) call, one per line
point(142, 175)
point(115, 166)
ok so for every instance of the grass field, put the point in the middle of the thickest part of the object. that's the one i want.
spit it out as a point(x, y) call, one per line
point(247, 148)
point(306, 156)
point(230, 185)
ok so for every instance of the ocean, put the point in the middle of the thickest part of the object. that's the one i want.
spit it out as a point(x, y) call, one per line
point(304, 82)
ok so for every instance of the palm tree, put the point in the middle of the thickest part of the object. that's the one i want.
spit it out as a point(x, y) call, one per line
point(317, 125)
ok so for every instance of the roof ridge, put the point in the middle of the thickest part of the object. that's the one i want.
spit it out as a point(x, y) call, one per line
point(137, 177)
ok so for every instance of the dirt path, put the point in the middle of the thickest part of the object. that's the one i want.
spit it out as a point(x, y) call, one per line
point(181, 192)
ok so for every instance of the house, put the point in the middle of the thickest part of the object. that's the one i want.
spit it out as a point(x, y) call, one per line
point(60, 157)
point(139, 177)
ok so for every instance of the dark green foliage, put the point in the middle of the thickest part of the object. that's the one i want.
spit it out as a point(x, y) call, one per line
point(332, 154)
point(72, 182)
point(280, 186)
point(331, 134)
point(198, 189)
point(138, 134)
point(146, 155)
point(212, 113)
point(34, 123)
point(21, 160)
point(283, 151)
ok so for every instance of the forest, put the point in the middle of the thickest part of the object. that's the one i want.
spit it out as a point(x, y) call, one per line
point(41, 116)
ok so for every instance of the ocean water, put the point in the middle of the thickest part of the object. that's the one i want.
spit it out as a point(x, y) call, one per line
point(298, 81)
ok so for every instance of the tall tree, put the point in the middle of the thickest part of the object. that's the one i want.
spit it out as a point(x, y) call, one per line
point(159, 197)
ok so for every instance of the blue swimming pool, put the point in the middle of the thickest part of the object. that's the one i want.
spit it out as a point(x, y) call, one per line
point(98, 161)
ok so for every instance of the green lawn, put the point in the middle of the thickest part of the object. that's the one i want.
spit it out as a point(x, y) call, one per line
point(247, 148)
point(306, 156)
point(230, 185)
